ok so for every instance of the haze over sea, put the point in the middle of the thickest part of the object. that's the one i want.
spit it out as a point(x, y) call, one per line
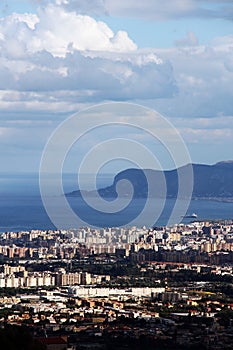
point(21, 206)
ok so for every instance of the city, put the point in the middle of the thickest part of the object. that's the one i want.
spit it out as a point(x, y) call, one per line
point(107, 288)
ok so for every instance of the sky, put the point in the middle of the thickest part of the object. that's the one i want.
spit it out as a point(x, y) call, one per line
point(59, 57)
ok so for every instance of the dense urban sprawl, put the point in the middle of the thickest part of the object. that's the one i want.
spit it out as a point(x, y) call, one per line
point(114, 288)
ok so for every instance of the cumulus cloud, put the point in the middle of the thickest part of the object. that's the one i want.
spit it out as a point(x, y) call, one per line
point(55, 30)
point(93, 78)
point(58, 50)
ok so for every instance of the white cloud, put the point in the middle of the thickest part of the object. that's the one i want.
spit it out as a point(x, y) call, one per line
point(223, 43)
point(59, 60)
point(29, 19)
point(60, 51)
point(56, 30)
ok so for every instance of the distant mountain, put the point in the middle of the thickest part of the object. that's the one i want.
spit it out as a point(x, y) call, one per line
point(210, 181)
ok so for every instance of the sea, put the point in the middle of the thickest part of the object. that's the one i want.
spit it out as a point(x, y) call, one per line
point(22, 208)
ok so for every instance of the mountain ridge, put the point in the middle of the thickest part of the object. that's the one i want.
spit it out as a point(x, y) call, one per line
point(209, 181)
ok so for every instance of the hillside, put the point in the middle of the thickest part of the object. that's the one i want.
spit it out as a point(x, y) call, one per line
point(210, 181)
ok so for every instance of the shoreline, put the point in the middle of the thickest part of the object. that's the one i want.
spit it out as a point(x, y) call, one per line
point(95, 195)
point(214, 199)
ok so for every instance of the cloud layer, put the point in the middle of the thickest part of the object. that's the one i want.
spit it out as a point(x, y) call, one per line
point(151, 9)
point(59, 60)
point(58, 50)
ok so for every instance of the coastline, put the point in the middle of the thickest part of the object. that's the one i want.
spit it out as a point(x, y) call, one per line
point(95, 194)
point(214, 199)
